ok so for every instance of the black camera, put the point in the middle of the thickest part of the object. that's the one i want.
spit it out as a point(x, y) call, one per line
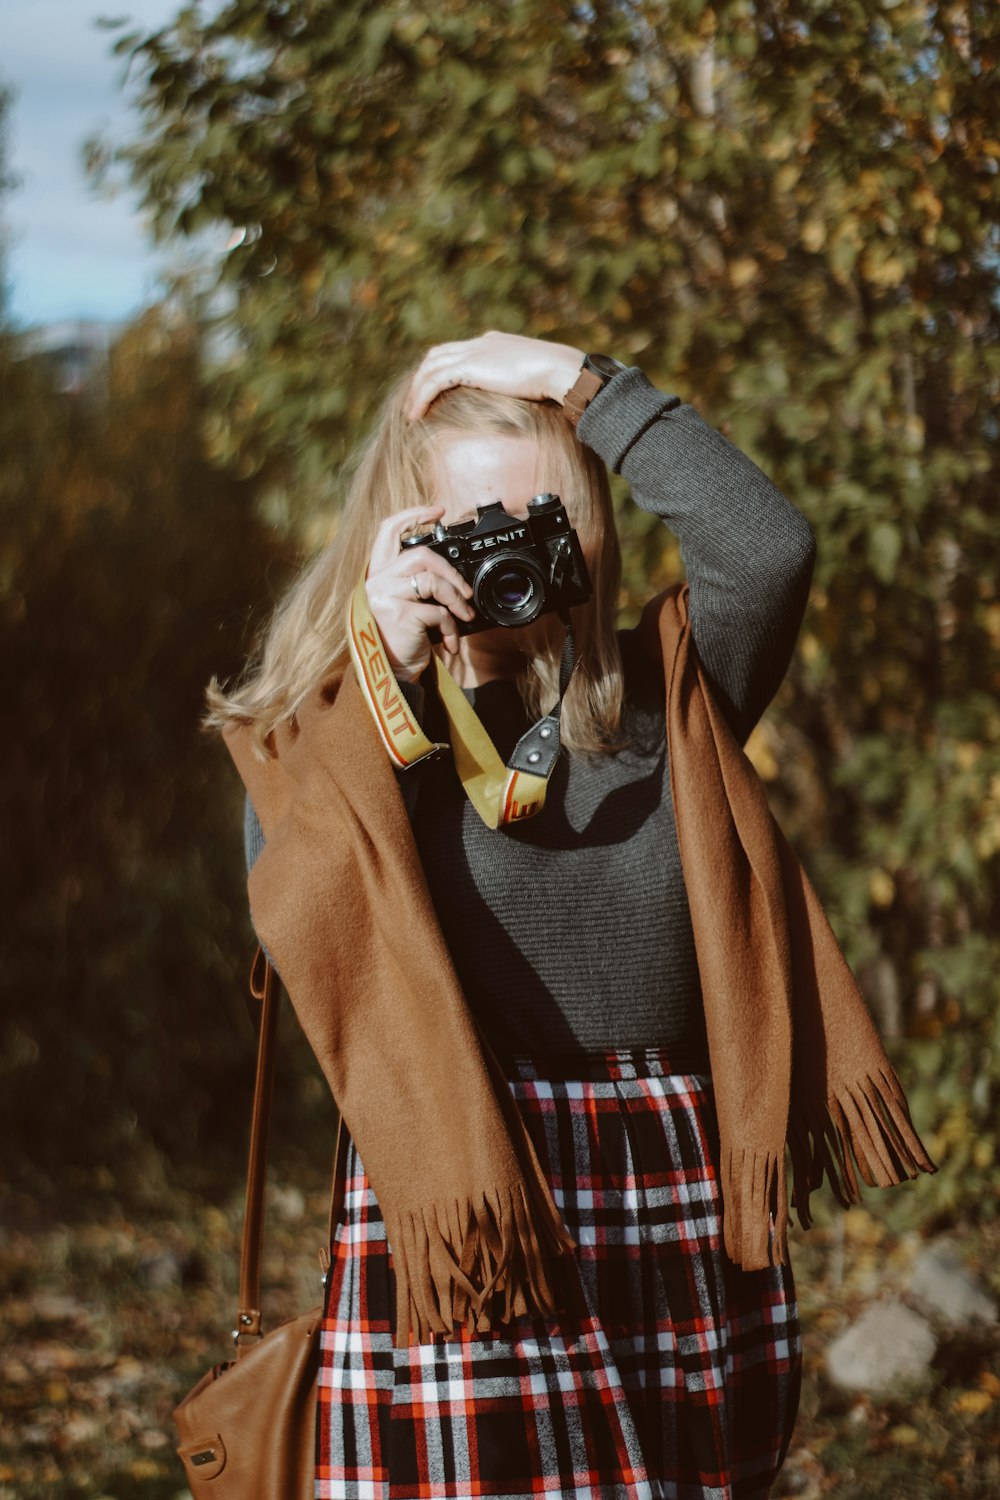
point(518, 569)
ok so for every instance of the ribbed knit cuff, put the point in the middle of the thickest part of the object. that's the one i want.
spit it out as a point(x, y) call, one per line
point(619, 415)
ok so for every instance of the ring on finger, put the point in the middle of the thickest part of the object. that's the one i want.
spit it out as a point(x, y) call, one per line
point(416, 587)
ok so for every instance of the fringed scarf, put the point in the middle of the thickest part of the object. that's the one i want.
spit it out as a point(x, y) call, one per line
point(339, 899)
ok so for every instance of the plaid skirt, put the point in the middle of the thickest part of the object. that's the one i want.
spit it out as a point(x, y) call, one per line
point(673, 1374)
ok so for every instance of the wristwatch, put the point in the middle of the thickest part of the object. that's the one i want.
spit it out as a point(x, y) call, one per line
point(595, 372)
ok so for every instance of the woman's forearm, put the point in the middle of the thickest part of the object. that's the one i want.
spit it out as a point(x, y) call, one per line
point(748, 552)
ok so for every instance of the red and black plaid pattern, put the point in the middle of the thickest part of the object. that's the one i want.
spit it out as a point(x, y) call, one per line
point(672, 1373)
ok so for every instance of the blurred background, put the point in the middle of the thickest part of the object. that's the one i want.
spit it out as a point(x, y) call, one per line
point(224, 227)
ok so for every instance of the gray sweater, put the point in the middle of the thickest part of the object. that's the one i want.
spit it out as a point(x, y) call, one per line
point(571, 931)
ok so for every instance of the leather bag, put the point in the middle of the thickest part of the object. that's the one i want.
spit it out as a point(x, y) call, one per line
point(248, 1428)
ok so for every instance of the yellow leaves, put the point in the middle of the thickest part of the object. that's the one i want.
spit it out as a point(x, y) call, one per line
point(787, 176)
point(942, 97)
point(811, 648)
point(983, 1153)
point(145, 1468)
point(993, 625)
point(217, 1226)
point(925, 198)
point(914, 432)
point(312, 279)
point(972, 1403)
point(742, 270)
point(903, 1436)
point(956, 1135)
point(881, 888)
point(988, 836)
point(882, 270)
point(365, 293)
point(411, 27)
point(967, 752)
point(863, 1228)
point(871, 185)
point(637, 340)
point(812, 235)
point(761, 756)
point(779, 147)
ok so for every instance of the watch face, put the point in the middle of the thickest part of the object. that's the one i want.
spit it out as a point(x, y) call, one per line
point(603, 364)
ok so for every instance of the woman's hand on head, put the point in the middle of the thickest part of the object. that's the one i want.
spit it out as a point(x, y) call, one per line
point(403, 620)
point(507, 363)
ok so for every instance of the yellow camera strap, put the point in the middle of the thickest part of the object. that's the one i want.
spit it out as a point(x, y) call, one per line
point(499, 793)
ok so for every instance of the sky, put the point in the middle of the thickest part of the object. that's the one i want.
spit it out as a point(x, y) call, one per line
point(70, 253)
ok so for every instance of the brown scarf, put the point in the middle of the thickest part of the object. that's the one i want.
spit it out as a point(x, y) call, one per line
point(339, 899)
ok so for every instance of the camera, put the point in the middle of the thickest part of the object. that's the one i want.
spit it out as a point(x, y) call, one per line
point(518, 569)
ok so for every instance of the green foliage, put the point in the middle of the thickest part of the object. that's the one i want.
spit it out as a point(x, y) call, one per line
point(788, 213)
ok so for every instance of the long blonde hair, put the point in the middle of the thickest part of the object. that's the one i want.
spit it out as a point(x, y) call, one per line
point(305, 640)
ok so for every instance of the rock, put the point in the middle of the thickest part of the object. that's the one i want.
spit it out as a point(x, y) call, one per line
point(943, 1285)
point(52, 1307)
point(801, 1476)
point(888, 1343)
point(288, 1202)
point(161, 1270)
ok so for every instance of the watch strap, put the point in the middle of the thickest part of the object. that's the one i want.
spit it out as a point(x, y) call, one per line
point(580, 395)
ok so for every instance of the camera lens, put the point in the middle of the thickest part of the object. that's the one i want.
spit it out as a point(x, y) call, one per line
point(510, 593)
point(511, 589)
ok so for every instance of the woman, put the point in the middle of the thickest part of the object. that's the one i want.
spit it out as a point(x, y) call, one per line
point(608, 1343)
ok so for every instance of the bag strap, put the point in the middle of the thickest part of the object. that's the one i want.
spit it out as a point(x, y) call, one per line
point(263, 987)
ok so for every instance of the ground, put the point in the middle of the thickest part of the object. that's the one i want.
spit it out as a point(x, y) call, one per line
point(111, 1313)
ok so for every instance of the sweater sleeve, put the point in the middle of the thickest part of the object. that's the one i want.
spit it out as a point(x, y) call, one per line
point(747, 551)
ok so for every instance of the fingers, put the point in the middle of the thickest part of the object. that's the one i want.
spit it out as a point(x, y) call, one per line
point(511, 364)
point(430, 615)
point(447, 365)
point(385, 548)
point(447, 588)
point(431, 570)
point(405, 614)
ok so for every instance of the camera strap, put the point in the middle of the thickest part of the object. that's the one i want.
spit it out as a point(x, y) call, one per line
point(499, 793)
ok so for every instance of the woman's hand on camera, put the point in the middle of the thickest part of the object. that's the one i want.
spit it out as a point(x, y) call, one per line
point(402, 618)
point(507, 363)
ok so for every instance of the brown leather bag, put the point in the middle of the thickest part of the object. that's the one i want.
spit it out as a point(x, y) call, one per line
point(248, 1428)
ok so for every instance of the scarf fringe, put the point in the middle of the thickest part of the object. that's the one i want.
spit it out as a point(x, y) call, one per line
point(475, 1263)
point(755, 1210)
point(864, 1125)
point(868, 1120)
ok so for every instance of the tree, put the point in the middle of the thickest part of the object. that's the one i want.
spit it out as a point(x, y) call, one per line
point(785, 210)
point(131, 570)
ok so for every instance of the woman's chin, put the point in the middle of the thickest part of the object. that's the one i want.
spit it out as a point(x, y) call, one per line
point(519, 640)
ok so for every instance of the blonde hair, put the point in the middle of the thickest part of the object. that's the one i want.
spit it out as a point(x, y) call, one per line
point(305, 640)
